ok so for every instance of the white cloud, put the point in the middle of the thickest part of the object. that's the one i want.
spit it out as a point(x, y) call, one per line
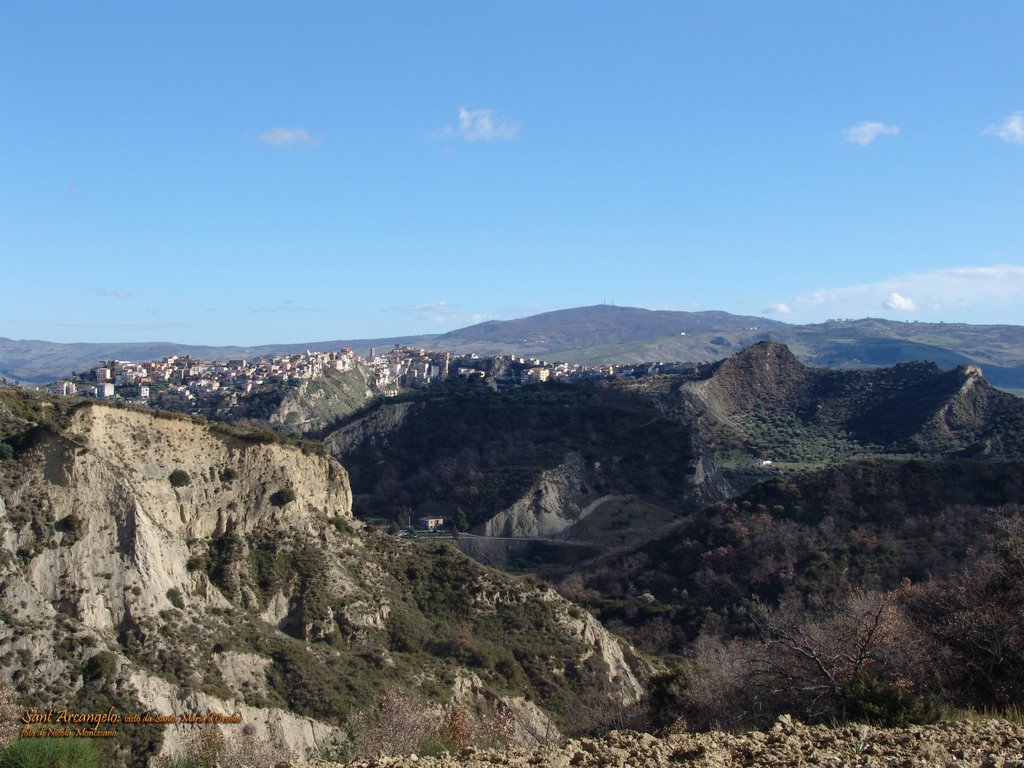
point(866, 132)
point(1010, 130)
point(778, 309)
point(485, 125)
point(896, 300)
point(945, 294)
point(288, 137)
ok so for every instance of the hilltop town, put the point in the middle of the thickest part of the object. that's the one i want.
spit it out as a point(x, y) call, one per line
point(185, 383)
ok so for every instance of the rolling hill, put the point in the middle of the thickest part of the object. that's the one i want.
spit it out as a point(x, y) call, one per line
point(611, 334)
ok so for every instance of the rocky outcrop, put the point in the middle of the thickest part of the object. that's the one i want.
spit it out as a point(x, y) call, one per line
point(317, 403)
point(765, 373)
point(624, 667)
point(297, 735)
point(376, 424)
point(764, 399)
point(557, 500)
point(129, 495)
point(101, 526)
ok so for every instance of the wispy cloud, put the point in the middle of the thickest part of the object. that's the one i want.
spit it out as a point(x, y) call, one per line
point(478, 125)
point(287, 306)
point(443, 314)
point(108, 293)
point(939, 292)
point(866, 132)
point(778, 309)
point(1009, 129)
point(675, 306)
point(485, 125)
point(128, 326)
point(288, 137)
point(444, 132)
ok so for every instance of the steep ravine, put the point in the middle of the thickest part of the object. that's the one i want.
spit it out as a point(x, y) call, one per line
point(155, 563)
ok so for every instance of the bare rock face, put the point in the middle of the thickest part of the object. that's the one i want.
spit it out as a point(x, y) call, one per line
point(624, 667)
point(100, 526)
point(379, 422)
point(315, 403)
point(297, 734)
point(124, 524)
point(556, 501)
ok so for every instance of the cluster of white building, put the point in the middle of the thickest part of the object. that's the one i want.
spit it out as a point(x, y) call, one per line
point(177, 380)
point(189, 378)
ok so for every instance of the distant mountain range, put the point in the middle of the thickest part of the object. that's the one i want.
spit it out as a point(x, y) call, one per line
point(606, 333)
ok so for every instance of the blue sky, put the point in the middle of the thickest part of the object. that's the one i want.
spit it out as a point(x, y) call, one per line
point(247, 172)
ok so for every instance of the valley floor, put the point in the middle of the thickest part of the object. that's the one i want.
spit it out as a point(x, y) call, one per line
point(950, 744)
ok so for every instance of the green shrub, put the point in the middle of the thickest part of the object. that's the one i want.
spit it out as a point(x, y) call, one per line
point(868, 700)
point(6, 451)
point(176, 598)
point(282, 497)
point(341, 525)
point(100, 666)
point(51, 753)
point(71, 526)
point(179, 478)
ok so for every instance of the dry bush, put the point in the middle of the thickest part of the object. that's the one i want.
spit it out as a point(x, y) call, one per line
point(717, 692)
point(496, 726)
point(457, 727)
point(10, 714)
point(205, 748)
point(975, 625)
point(861, 657)
point(209, 748)
point(248, 749)
point(397, 725)
point(596, 708)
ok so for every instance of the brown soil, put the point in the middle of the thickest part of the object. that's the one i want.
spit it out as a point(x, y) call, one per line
point(988, 743)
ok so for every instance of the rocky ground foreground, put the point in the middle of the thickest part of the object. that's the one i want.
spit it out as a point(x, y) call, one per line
point(988, 743)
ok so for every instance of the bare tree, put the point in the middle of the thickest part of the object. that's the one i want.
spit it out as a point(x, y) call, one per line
point(717, 693)
point(806, 665)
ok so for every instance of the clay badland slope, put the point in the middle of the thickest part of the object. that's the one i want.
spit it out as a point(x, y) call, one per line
point(156, 563)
